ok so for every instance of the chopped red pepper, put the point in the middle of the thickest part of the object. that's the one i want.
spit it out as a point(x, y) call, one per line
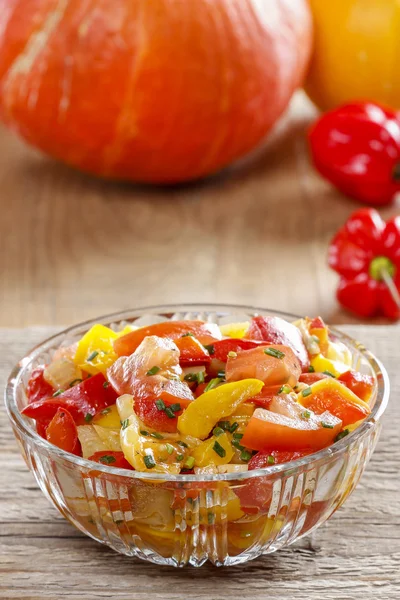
point(366, 254)
point(88, 397)
point(310, 378)
point(192, 353)
point(222, 348)
point(357, 148)
point(275, 330)
point(62, 432)
point(362, 385)
point(112, 459)
point(37, 387)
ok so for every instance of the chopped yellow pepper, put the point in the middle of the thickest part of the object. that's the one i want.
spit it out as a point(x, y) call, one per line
point(95, 351)
point(235, 330)
point(217, 450)
point(199, 418)
point(321, 364)
point(108, 418)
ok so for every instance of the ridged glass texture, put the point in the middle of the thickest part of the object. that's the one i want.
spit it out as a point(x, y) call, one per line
point(180, 520)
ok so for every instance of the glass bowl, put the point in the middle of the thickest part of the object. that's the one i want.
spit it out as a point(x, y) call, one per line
point(189, 519)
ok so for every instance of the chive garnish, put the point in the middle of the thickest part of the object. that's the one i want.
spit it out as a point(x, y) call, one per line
point(180, 457)
point(329, 373)
point(169, 412)
point(153, 370)
point(306, 414)
point(170, 448)
point(213, 384)
point(233, 427)
point(237, 444)
point(106, 384)
point(105, 411)
point(107, 459)
point(311, 369)
point(225, 425)
point(237, 436)
point(92, 356)
point(125, 423)
point(306, 392)
point(217, 431)
point(143, 432)
point(156, 435)
point(210, 349)
point(245, 455)
point(57, 393)
point(218, 449)
point(189, 462)
point(160, 404)
point(341, 435)
point(232, 354)
point(271, 460)
point(195, 377)
point(285, 389)
point(326, 425)
point(149, 461)
point(88, 417)
point(183, 444)
point(188, 334)
point(274, 352)
point(221, 374)
point(74, 381)
point(175, 407)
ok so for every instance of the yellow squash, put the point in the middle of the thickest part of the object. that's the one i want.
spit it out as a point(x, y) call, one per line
point(356, 52)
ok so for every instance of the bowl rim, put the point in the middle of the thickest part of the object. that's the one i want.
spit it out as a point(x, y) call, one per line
point(24, 427)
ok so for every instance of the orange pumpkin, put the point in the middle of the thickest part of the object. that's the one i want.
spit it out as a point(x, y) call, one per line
point(153, 91)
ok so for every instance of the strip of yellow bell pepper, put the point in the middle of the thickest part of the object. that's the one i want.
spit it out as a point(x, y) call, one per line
point(199, 418)
point(235, 330)
point(321, 364)
point(95, 351)
point(217, 450)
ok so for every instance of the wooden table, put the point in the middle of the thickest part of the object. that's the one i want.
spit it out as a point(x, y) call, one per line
point(73, 247)
point(354, 556)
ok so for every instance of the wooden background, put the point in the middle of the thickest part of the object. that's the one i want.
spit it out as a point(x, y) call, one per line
point(72, 247)
point(354, 556)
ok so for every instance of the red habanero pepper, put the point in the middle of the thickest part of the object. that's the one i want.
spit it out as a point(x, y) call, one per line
point(366, 254)
point(357, 148)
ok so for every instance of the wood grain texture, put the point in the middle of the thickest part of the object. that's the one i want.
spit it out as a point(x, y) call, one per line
point(355, 556)
point(73, 247)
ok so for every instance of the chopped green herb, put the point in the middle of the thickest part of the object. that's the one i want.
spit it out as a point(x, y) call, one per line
point(210, 518)
point(169, 412)
point(160, 404)
point(156, 435)
point(107, 459)
point(217, 431)
point(285, 389)
point(125, 423)
point(306, 414)
point(271, 460)
point(105, 411)
point(233, 427)
point(221, 374)
point(57, 393)
point(237, 444)
point(326, 425)
point(212, 384)
point(237, 436)
point(188, 334)
point(315, 339)
point(245, 534)
point(189, 462)
point(74, 381)
point(149, 461)
point(153, 371)
point(92, 356)
point(210, 349)
point(311, 369)
point(175, 407)
point(225, 425)
point(219, 449)
point(183, 444)
point(106, 384)
point(330, 374)
point(342, 434)
point(274, 352)
point(232, 354)
point(169, 448)
point(195, 377)
point(245, 455)
point(88, 417)
point(143, 432)
point(306, 392)
point(180, 456)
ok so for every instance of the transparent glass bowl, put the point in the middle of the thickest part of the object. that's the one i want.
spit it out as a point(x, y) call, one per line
point(189, 519)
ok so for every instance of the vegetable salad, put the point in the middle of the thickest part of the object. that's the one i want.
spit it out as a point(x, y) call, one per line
point(183, 397)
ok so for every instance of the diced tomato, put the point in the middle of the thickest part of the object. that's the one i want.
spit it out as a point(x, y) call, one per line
point(41, 427)
point(275, 330)
point(265, 397)
point(338, 400)
point(263, 459)
point(206, 333)
point(37, 387)
point(192, 353)
point(145, 395)
point(112, 459)
point(88, 397)
point(362, 385)
point(310, 378)
point(268, 429)
point(222, 348)
point(317, 323)
point(259, 364)
point(62, 432)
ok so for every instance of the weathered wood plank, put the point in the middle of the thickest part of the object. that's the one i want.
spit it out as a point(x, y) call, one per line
point(356, 555)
